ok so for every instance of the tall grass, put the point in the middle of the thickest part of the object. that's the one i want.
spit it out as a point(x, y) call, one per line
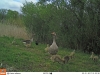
point(13, 30)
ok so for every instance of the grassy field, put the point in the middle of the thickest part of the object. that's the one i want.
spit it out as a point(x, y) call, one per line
point(35, 59)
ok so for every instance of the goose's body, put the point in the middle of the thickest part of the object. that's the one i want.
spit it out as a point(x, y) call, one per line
point(93, 57)
point(57, 58)
point(46, 49)
point(72, 54)
point(66, 59)
point(27, 43)
point(53, 49)
point(13, 42)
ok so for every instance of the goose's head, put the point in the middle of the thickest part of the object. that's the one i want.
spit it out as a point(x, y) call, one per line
point(92, 52)
point(53, 33)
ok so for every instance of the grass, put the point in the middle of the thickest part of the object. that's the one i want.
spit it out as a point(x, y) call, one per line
point(35, 59)
point(13, 30)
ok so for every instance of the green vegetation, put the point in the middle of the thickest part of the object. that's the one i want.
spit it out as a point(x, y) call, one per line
point(68, 18)
point(10, 17)
point(35, 59)
point(76, 23)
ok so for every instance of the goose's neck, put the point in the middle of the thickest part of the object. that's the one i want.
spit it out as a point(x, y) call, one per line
point(31, 39)
point(92, 54)
point(54, 39)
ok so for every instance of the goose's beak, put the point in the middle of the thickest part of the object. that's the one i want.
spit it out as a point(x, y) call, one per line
point(53, 33)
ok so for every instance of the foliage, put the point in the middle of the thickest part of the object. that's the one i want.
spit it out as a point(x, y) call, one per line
point(76, 22)
point(3, 13)
point(10, 17)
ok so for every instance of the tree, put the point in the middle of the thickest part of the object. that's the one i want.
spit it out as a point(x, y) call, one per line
point(76, 22)
point(3, 13)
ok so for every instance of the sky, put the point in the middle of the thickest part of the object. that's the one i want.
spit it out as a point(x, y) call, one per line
point(14, 4)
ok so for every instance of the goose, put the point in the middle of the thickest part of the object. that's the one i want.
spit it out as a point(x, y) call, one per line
point(95, 58)
point(27, 43)
point(53, 49)
point(13, 42)
point(92, 55)
point(46, 49)
point(66, 59)
point(57, 58)
point(72, 54)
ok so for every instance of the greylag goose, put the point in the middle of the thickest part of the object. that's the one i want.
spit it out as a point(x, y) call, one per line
point(28, 43)
point(57, 58)
point(66, 59)
point(53, 49)
point(72, 54)
point(93, 57)
point(46, 49)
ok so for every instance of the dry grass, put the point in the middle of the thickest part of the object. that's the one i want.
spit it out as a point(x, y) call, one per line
point(15, 31)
